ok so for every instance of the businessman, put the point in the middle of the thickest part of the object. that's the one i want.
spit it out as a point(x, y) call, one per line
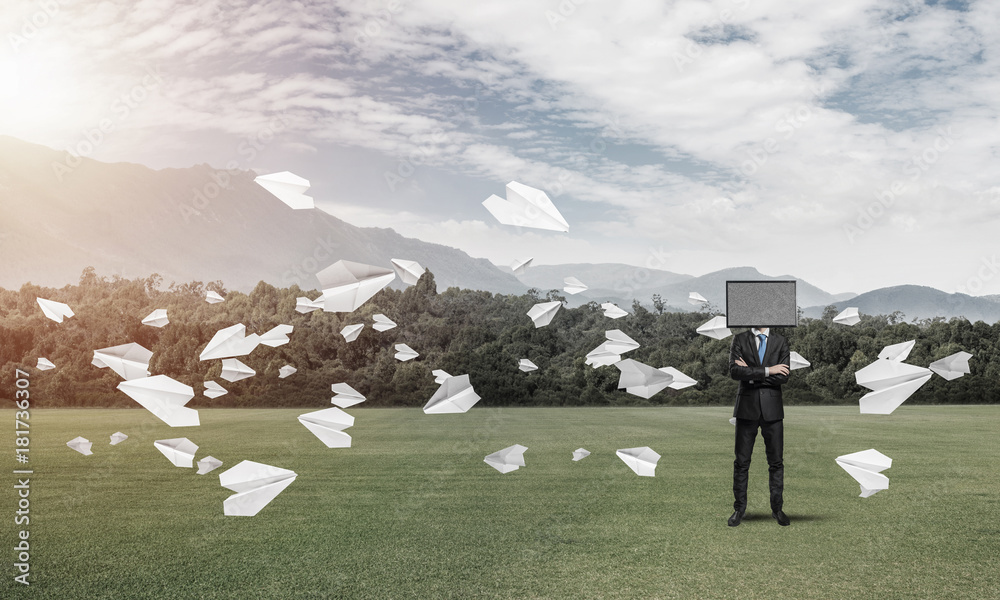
point(759, 360)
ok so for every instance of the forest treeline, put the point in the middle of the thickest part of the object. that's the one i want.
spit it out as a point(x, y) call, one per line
point(459, 331)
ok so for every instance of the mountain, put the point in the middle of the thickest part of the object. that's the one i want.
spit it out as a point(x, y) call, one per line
point(621, 283)
point(918, 302)
point(61, 215)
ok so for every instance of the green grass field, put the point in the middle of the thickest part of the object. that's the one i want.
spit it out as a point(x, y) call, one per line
point(411, 511)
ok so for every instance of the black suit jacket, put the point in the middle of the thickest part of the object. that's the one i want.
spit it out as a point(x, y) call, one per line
point(758, 396)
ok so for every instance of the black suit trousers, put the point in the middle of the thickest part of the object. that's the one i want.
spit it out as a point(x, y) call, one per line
point(774, 443)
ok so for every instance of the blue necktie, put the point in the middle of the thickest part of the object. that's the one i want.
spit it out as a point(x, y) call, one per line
point(763, 346)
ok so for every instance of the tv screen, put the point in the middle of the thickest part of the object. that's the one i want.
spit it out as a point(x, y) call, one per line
point(761, 303)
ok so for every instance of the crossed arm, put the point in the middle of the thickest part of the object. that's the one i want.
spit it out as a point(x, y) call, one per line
point(776, 374)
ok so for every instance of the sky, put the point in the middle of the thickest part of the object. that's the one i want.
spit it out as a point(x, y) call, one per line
point(852, 144)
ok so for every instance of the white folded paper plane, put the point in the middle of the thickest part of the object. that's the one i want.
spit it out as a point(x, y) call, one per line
point(56, 311)
point(440, 375)
point(234, 370)
point(953, 366)
point(208, 464)
point(520, 265)
point(572, 285)
point(526, 365)
point(214, 390)
point(276, 336)
point(285, 371)
point(347, 285)
point(897, 352)
point(157, 318)
point(405, 353)
point(164, 397)
point(229, 342)
point(213, 297)
point(849, 316)
point(409, 271)
point(455, 395)
point(328, 425)
point(130, 361)
point(696, 299)
point(541, 314)
point(44, 364)
point(351, 332)
point(526, 207)
point(865, 467)
point(796, 360)
point(287, 187)
point(117, 438)
point(641, 460)
point(611, 350)
point(346, 395)
point(715, 328)
point(580, 454)
point(304, 305)
point(179, 451)
point(642, 380)
point(382, 322)
point(680, 380)
point(509, 459)
point(81, 445)
point(891, 383)
point(612, 311)
point(255, 484)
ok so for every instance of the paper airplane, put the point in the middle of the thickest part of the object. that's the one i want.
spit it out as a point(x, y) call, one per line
point(56, 311)
point(234, 370)
point(520, 265)
point(256, 485)
point(130, 361)
point(382, 322)
point(208, 464)
point(641, 460)
point(81, 445)
point(285, 371)
point(526, 365)
point(580, 454)
point(405, 353)
point(305, 305)
point(849, 316)
point(612, 311)
point(346, 395)
point(117, 438)
point(797, 362)
point(641, 379)
point(440, 375)
point(328, 425)
point(509, 459)
point(573, 285)
point(287, 187)
point(952, 367)
point(276, 336)
point(715, 328)
point(157, 318)
point(347, 285)
point(164, 397)
point(213, 298)
point(696, 299)
point(229, 342)
point(610, 351)
point(526, 207)
point(865, 467)
point(351, 332)
point(179, 451)
point(214, 390)
point(541, 314)
point(409, 271)
point(897, 352)
point(732, 421)
point(680, 380)
point(44, 364)
point(891, 383)
point(454, 396)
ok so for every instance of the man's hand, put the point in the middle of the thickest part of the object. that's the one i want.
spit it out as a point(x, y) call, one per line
point(740, 363)
point(778, 370)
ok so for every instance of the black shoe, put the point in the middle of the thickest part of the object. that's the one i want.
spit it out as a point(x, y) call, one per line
point(736, 518)
point(780, 516)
